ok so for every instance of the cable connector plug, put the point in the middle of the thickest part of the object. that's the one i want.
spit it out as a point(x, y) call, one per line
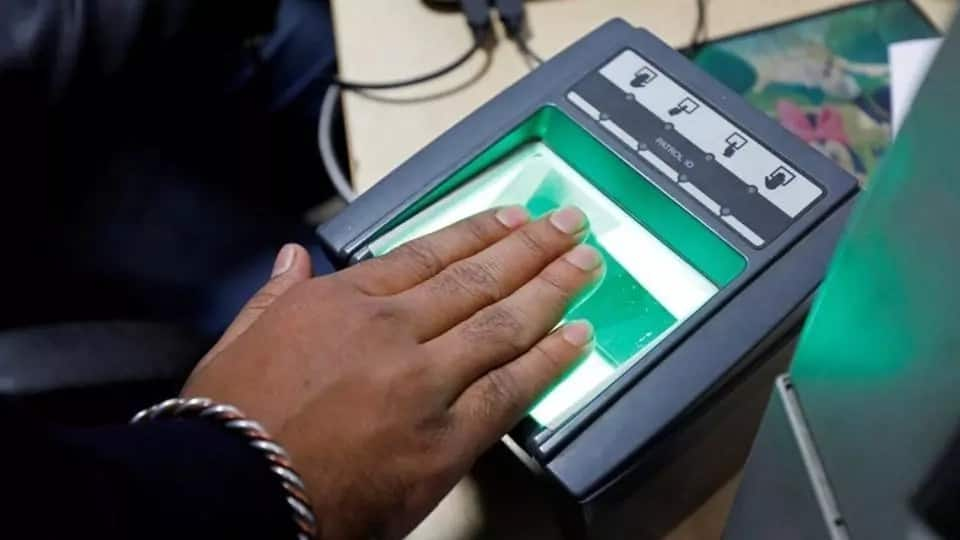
point(478, 19)
point(513, 17)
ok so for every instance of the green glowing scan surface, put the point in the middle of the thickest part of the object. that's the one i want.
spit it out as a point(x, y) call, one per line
point(648, 288)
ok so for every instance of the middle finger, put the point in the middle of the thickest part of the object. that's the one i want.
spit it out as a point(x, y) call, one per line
point(471, 284)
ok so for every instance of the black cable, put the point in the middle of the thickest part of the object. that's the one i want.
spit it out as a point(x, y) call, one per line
point(525, 49)
point(325, 123)
point(477, 13)
point(514, 19)
point(460, 60)
point(478, 19)
point(701, 25)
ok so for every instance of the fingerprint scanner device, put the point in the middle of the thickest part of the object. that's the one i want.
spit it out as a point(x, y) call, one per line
point(715, 225)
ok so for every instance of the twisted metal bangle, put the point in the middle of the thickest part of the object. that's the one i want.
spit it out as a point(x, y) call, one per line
point(235, 421)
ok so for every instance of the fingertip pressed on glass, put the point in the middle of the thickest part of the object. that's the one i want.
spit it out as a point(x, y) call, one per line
point(660, 263)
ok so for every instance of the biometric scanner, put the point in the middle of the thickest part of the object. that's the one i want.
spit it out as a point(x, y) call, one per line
point(715, 224)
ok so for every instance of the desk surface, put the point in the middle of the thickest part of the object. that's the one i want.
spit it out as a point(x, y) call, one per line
point(381, 40)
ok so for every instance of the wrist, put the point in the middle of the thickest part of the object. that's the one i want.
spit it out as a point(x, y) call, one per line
point(275, 459)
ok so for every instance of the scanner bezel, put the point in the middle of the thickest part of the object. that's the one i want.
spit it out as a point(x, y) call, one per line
point(568, 453)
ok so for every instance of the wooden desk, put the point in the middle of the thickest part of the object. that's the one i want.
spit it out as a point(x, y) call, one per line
point(381, 40)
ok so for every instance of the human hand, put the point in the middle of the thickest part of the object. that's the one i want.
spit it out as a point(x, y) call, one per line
point(385, 381)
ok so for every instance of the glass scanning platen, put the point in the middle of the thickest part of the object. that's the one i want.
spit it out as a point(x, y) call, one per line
point(648, 288)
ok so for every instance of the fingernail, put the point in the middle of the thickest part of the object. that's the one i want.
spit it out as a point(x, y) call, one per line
point(513, 216)
point(284, 260)
point(577, 333)
point(569, 220)
point(584, 257)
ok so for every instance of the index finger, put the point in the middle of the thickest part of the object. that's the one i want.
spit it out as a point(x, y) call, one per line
point(418, 260)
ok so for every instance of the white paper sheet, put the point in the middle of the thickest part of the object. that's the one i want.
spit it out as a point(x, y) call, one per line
point(909, 62)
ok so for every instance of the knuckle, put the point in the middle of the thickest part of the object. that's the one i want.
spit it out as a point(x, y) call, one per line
point(371, 315)
point(476, 278)
point(548, 356)
point(478, 228)
point(532, 242)
point(421, 256)
point(498, 324)
point(496, 321)
point(382, 311)
point(499, 394)
point(553, 282)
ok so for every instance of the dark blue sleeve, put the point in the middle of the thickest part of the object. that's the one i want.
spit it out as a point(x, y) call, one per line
point(183, 479)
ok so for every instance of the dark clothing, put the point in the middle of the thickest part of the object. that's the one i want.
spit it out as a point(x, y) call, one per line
point(149, 158)
point(167, 480)
point(118, 144)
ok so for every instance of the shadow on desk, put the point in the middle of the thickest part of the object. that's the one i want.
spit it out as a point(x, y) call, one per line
point(501, 500)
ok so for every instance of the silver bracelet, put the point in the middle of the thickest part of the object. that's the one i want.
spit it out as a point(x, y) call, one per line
point(235, 421)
